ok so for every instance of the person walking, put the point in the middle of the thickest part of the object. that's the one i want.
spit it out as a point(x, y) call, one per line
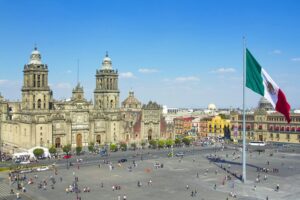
point(124, 197)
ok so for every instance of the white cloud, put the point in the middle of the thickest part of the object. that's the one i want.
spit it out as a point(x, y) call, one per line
point(223, 70)
point(295, 59)
point(186, 78)
point(147, 70)
point(62, 86)
point(127, 75)
point(276, 51)
point(3, 82)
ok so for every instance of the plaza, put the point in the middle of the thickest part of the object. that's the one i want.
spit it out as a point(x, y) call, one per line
point(170, 182)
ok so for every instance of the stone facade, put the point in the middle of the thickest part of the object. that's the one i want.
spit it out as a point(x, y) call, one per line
point(39, 120)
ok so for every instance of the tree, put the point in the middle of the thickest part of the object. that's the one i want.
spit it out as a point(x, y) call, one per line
point(177, 141)
point(67, 148)
point(161, 143)
point(153, 144)
point(52, 150)
point(78, 150)
point(169, 143)
point(133, 145)
point(123, 146)
point(143, 144)
point(186, 141)
point(91, 147)
point(113, 147)
point(38, 152)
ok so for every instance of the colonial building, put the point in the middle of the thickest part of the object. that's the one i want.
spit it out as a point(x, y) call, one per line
point(266, 125)
point(39, 120)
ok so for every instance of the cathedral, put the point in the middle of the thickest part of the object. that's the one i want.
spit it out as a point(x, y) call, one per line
point(40, 120)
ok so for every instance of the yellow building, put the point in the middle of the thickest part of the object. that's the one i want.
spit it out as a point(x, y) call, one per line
point(216, 126)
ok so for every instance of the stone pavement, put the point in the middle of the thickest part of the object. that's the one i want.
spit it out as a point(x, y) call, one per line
point(170, 181)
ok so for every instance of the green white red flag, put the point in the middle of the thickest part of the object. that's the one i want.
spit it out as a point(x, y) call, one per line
point(259, 81)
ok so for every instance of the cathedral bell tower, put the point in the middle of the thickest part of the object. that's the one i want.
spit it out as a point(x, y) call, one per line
point(106, 94)
point(36, 94)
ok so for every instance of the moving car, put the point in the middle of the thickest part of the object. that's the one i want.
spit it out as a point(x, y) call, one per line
point(44, 168)
point(179, 154)
point(67, 156)
point(25, 162)
point(122, 160)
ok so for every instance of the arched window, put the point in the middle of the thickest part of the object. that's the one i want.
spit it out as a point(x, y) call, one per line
point(38, 81)
point(39, 103)
point(57, 142)
point(111, 103)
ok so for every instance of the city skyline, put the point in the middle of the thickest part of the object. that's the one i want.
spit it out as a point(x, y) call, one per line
point(177, 54)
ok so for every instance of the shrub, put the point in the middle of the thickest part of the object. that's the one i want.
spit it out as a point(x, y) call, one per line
point(177, 141)
point(123, 146)
point(113, 147)
point(38, 152)
point(67, 148)
point(91, 147)
point(153, 143)
point(52, 150)
point(186, 141)
point(169, 143)
point(78, 150)
point(161, 143)
point(133, 145)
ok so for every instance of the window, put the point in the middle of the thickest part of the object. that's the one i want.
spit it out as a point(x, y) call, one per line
point(271, 135)
point(277, 136)
point(41, 128)
point(33, 80)
point(41, 134)
point(288, 136)
point(43, 80)
point(38, 81)
point(39, 104)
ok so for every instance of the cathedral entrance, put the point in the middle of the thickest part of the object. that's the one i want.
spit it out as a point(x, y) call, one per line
point(79, 140)
point(150, 134)
point(98, 139)
point(57, 142)
point(260, 138)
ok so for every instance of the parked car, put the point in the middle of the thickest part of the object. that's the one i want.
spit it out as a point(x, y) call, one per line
point(122, 160)
point(25, 171)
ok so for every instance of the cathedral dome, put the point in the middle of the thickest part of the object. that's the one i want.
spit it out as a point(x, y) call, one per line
point(131, 101)
point(264, 104)
point(106, 63)
point(35, 57)
point(211, 106)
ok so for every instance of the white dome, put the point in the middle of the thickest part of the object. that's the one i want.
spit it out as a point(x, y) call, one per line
point(211, 106)
point(106, 63)
point(35, 57)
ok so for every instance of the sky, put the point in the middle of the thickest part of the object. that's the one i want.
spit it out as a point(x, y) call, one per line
point(179, 53)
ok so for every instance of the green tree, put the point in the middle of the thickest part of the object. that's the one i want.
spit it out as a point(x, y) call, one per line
point(38, 152)
point(143, 144)
point(52, 150)
point(113, 147)
point(133, 145)
point(123, 146)
point(161, 143)
point(153, 144)
point(186, 141)
point(91, 147)
point(177, 141)
point(67, 148)
point(169, 143)
point(78, 150)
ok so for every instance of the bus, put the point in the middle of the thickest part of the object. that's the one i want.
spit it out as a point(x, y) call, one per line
point(257, 146)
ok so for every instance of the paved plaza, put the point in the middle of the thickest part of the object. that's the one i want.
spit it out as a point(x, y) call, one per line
point(197, 172)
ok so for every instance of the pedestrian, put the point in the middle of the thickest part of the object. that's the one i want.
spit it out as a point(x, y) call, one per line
point(277, 187)
point(197, 175)
point(124, 197)
point(192, 193)
point(187, 187)
point(215, 186)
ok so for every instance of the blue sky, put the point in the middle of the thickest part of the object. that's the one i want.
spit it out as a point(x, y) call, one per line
point(179, 53)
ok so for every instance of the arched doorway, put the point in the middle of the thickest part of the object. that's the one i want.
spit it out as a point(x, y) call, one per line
point(79, 140)
point(98, 139)
point(57, 142)
point(127, 138)
point(150, 134)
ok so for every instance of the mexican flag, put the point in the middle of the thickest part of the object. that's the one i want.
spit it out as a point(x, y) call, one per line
point(259, 81)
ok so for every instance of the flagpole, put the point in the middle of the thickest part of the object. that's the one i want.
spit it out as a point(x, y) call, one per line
point(244, 115)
